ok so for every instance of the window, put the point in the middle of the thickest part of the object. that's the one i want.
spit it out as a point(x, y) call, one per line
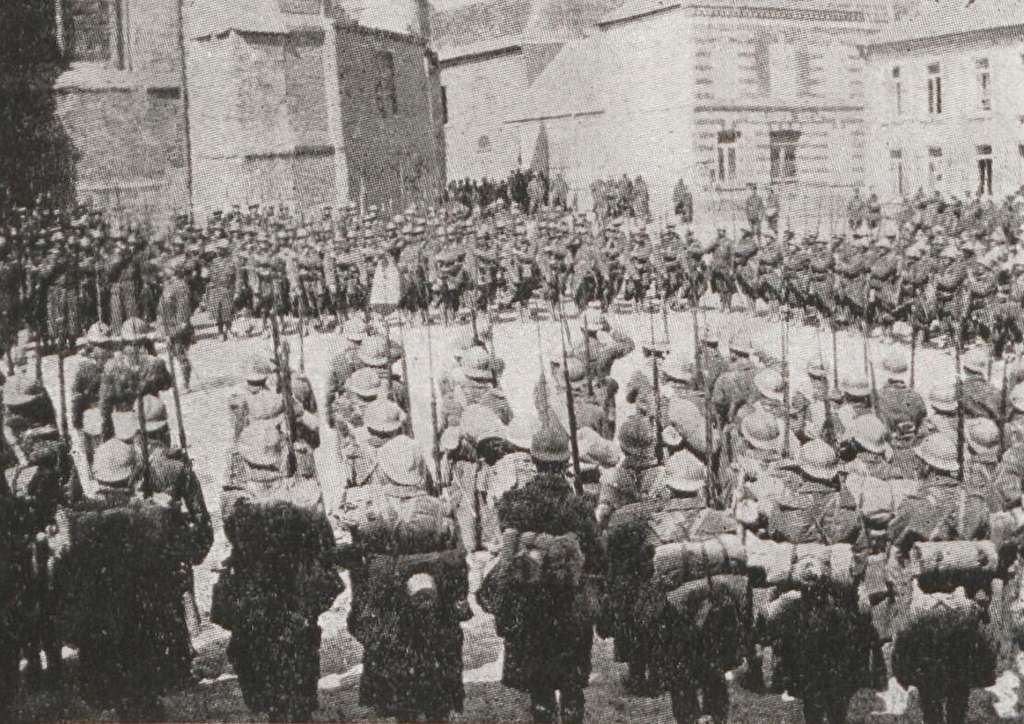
point(984, 153)
point(934, 89)
point(386, 90)
point(782, 145)
point(897, 90)
point(984, 77)
point(444, 105)
point(934, 166)
point(727, 156)
point(896, 156)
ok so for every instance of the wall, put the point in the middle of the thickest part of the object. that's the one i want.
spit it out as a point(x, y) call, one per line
point(242, 135)
point(383, 149)
point(648, 95)
point(963, 123)
point(129, 146)
point(482, 93)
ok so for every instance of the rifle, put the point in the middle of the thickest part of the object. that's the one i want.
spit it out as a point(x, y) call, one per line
point(586, 352)
point(435, 445)
point(874, 388)
point(835, 356)
point(491, 349)
point(959, 406)
point(147, 488)
point(571, 405)
point(784, 314)
point(65, 434)
point(405, 376)
point(702, 380)
point(785, 384)
point(658, 452)
point(285, 375)
point(1002, 408)
point(302, 326)
point(913, 354)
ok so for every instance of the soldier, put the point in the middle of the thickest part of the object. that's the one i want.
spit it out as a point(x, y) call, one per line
point(980, 397)
point(638, 476)
point(815, 506)
point(132, 372)
point(118, 557)
point(240, 400)
point(281, 570)
point(175, 312)
point(60, 275)
point(409, 569)
point(736, 385)
point(599, 351)
point(124, 272)
point(363, 387)
point(46, 478)
point(982, 451)
point(475, 387)
point(943, 400)
point(222, 287)
point(344, 364)
point(714, 639)
point(546, 622)
point(85, 386)
point(867, 452)
point(856, 402)
point(11, 274)
point(754, 209)
point(900, 408)
point(15, 561)
point(682, 203)
point(941, 647)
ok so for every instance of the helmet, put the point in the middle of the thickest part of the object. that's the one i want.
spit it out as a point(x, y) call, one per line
point(939, 451)
point(770, 384)
point(943, 397)
point(870, 433)
point(761, 431)
point(818, 460)
point(637, 436)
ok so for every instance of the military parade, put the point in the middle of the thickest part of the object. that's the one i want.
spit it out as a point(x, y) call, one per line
point(648, 463)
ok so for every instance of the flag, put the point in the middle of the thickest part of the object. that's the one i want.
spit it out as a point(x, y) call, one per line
point(387, 288)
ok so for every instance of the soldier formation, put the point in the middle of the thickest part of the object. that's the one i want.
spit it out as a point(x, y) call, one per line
point(702, 514)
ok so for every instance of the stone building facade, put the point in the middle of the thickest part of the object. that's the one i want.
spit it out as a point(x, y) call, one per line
point(721, 94)
point(946, 111)
point(491, 54)
point(279, 101)
point(120, 102)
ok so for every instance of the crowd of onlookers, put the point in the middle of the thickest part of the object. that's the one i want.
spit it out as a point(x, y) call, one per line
point(529, 191)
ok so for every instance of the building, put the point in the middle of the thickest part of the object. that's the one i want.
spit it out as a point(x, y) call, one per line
point(491, 53)
point(120, 102)
point(721, 93)
point(278, 101)
point(946, 111)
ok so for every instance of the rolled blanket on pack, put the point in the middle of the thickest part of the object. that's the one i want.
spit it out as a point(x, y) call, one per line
point(787, 565)
point(1005, 534)
point(438, 576)
point(878, 500)
point(678, 563)
point(424, 525)
point(953, 563)
point(689, 594)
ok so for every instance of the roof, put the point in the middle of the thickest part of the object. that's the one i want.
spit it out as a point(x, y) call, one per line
point(568, 85)
point(873, 10)
point(207, 18)
point(87, 76)
point(637, 9)
point(467, 28)
point(952, 17)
